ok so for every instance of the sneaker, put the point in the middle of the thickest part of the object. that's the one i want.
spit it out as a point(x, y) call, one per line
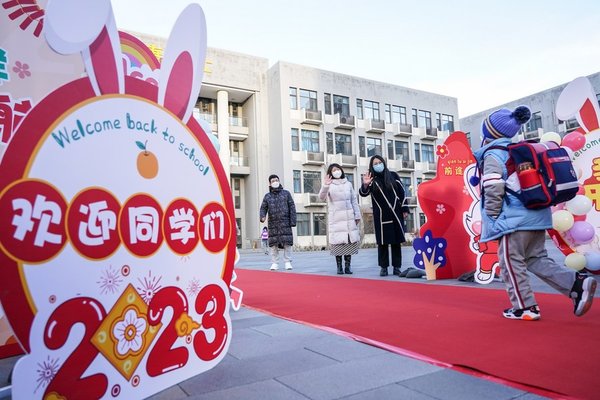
point(274, 267)
point(582, 294)
point(526, 314)
point(288, 265)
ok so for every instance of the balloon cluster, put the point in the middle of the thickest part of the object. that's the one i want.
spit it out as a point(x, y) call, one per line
point(569, 218)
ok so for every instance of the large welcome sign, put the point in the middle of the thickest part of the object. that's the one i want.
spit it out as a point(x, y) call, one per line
point(117, 247)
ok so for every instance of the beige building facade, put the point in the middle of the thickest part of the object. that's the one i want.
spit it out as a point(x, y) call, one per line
point(294, 120)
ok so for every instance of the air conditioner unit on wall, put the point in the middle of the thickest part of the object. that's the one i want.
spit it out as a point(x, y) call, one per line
point(343, 119)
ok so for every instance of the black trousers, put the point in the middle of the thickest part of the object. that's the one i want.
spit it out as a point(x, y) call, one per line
point(383, 256)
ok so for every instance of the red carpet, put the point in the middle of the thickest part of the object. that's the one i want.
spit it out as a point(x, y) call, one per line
point(558, 356)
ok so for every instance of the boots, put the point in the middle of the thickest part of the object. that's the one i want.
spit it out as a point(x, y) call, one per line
point(396, 271)
point(347, 259)
point(383, 271)
point(338, 260)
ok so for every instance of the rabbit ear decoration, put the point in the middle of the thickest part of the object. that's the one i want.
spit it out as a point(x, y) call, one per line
point(93, 32)
point(182, 66)
point(578, 99)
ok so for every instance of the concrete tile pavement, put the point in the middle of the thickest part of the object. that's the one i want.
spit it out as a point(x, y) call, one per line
point(272, 358)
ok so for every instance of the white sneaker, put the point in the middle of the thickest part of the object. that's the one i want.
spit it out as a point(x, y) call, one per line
point(288, 265)
point(274, 267)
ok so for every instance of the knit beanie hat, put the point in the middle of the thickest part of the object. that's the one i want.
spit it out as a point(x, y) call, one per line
point(505, 123)
point(273, 176)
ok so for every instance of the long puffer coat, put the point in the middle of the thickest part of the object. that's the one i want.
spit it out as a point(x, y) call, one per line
point(343, 211)
point(279, 205)
point(387, 209)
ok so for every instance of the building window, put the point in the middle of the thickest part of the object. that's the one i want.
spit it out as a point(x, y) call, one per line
point(418, 152)
point(424, 119)
point(402, 152)
point(328, 103)
point(468, 134)
point(329, 142)
point(341, 105)
point(303, 224)
point(295, 140)
point(534, 123)
point(206, 109)
point(374, 147)
point(371, 109)
point(407, 185)
point(388, 113)
point(415, 119)
point(399, 114)
point(447, 123)
point(438, 120)
point(312, 182)
point(343, 144)
point(237, 194)
point(368, 223)
point(427, 152)
point(310, 141)
point(410, 221)
point(293, 98)
point(238, 224)
point(297, 183)
point(390, 150)
point(362, 148)
point(422, 219)
point(308, 99)
point(350, 178)
point(319, 224)
point(359, 109)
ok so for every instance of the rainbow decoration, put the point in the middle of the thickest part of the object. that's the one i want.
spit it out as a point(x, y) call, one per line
point(137, 52)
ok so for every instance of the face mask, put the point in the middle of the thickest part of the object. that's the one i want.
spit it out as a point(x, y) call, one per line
point(275, 185)
point(337, 174)
point(378, 168)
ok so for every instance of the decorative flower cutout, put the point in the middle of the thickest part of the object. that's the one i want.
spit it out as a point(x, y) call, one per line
point(442, 151)
point(440, 209)
point(21, 69)
point(129, 332)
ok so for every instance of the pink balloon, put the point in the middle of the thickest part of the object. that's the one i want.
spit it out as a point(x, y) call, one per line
point(574, 140)
point(579, 217)
point(476, 227)
point(558, 207)
point(581, 190)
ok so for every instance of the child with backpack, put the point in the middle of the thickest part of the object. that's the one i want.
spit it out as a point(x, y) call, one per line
point(519, 229)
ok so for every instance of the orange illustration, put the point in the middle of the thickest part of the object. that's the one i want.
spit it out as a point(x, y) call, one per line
point(147, 163)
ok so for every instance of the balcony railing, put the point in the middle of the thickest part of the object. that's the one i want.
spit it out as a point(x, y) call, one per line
point(210, 118)
point(534, 134)
point(312, 117)
point(429, 167)
point(374, 125)
point(313, 200)
point(238, 121)
point(344, 121)
point(311, 158)
point(402, 130)
point(345, 160)
point(430, 134)
point(239, 161)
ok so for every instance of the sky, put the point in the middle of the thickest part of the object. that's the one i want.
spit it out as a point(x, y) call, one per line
point(484, 53)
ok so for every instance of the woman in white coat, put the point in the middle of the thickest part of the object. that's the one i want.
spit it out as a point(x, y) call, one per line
point(343, 216)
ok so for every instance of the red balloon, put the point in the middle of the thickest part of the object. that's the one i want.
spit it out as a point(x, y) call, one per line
point(579, 217)
point(574, 140)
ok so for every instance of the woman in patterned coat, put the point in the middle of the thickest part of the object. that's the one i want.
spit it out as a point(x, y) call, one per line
point(279, 205)
point(343, 217)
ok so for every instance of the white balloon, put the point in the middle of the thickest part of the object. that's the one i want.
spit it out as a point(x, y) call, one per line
point(551, 137)
point(579, 205)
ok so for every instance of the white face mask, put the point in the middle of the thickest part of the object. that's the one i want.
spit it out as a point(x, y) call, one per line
point(275, 185)
point(336, 174)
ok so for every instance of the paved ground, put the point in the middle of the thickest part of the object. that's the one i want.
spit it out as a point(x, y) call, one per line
point(271, 358)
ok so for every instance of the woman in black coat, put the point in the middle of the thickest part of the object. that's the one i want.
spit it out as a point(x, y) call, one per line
point(387, 198)
point(279, 205)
